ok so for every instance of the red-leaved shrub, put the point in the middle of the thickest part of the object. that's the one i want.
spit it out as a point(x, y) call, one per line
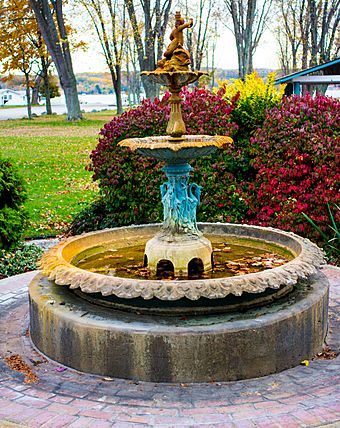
point(297, 155)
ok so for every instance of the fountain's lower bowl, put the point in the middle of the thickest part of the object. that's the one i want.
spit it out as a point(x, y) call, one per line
point(235, 343)
point(60, 264)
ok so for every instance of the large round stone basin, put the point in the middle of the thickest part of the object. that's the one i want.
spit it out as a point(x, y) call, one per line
point(223, 347)
point(255, 341)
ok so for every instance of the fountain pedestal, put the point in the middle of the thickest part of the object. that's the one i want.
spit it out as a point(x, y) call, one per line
point(180, 256)
point(179, 249)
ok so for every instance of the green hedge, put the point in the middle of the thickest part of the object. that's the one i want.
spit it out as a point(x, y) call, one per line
point(13, 217)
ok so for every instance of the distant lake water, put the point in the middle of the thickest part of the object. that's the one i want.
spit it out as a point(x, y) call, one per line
point(89, 103)
point(106, 100)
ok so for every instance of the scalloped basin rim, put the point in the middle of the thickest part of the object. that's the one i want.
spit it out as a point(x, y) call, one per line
point(57, 265)
point(176, 144)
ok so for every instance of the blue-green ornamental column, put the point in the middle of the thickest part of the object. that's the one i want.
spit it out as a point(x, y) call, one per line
point(180, 200)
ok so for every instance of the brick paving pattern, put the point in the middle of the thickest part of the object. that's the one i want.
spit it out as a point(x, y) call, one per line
point(299, 397)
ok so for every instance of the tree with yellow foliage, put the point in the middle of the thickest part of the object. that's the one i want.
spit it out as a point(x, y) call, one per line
point(18, 50)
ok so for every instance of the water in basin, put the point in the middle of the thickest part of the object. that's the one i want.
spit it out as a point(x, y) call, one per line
point(232, 256)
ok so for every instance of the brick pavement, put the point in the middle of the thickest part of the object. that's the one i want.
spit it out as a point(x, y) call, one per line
point(299, 397)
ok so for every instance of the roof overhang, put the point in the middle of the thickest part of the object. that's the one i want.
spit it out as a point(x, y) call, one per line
point(297, 76)
point(317, 79)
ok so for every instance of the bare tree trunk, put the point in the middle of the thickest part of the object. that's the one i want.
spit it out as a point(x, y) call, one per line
point(248, 26)
point(288, 33)
point(58, 46)
point(155, 22)
point(213, 52)
point(72, 103)
point(324, 17)
point(129, 82)
point(311, 27)
point(105, 17)
point(28, 96)
point(42, 77)
point(132, 77)
point(46, 86)
point(151, 88)
point(48, 104)
point(117, 86)
point(203, 23)
point(284, 54)
point(313, 32)
point(36, 88)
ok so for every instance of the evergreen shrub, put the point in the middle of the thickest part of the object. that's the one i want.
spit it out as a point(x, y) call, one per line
point(20, 260)
point(13, 217)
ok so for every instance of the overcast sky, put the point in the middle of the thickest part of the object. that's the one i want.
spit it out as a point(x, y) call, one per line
point(266, 55)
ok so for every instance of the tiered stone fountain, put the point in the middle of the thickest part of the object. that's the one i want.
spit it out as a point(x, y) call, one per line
point(182, 329)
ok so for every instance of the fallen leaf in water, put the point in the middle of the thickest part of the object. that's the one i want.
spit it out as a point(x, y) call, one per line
point(304, 363)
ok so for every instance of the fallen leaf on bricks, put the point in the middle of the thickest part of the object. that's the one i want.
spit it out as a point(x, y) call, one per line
point(15, 362)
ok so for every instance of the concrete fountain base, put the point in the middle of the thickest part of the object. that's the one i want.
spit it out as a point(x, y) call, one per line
point(223, 347)
point(179, 252)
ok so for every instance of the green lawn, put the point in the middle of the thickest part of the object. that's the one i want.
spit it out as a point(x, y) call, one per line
point(52, 155)
point(9, 107)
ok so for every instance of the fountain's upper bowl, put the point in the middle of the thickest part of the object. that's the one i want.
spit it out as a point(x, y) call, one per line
point(174, 79)
point(172, 149)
